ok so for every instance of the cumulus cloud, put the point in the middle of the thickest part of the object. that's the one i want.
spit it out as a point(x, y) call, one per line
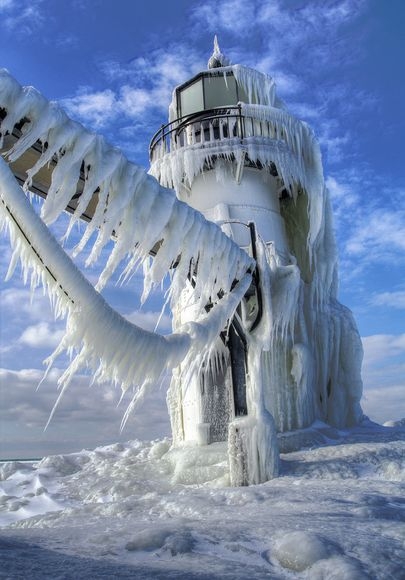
point(379, 236)
point(20, 302)
point(41, 335)
point(384, 376)
point(148, 320)
point(229, 15)
point(283, 31)
point(140, 90)
point(369, 222)
point(380, 347)
point(382, 404)
point(390, 299)
point(96, 107)
point(86, 417)
point(342, 194)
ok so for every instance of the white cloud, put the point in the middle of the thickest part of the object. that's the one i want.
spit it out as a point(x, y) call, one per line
point(333, 144)
point(384, 377)
point(23, 17)
point(96, 108)
point(86, 417)
point(133, 101)
point(370, 224)
point(384, 404)
point(341, 193)
point(21, 301)
point(390, 299)
point(141, 90)
point(379, 235)
point(235, 16)
point(41, 335)
point(380, 347)
point(283, 31)
point(148, 320)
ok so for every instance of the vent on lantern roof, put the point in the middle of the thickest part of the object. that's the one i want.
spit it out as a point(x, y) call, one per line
point(217, 59)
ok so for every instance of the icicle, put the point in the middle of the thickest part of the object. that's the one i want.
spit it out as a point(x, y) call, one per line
point(127, 199)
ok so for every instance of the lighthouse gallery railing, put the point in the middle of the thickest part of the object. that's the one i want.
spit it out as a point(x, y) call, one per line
point(209, 126)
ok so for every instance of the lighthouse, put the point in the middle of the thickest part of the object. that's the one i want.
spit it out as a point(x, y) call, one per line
point(261, 347)
point(291, 354)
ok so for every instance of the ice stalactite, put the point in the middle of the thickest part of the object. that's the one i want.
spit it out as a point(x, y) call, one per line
point(127, 199)
point(265, 166)
point(299, 350)
point(252, 439)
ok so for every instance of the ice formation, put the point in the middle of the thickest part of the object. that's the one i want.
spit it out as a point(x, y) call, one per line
point(303, 359)
point(261, 344)
point(122, 511)
point(140, 214)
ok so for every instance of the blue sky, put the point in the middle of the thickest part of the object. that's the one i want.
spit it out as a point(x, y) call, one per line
point(113, 65)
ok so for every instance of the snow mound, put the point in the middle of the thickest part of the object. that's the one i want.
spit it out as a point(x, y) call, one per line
point(316, 556)
point(165, 539)
point(337, 568)
point(25, 492)
point(8, 468)
point(399, 423)
point(63, 464)
point(300, 550)
point(200, 465)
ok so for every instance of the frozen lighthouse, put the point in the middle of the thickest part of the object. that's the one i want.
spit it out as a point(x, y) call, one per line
point(291, 353)
point(235, 210)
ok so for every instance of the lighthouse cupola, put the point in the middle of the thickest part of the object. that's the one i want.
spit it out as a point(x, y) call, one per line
point(217, 150)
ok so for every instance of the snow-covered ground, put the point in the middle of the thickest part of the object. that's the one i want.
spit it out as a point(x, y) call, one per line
point(139, 510)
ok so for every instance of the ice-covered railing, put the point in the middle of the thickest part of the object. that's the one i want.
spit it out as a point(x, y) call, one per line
point(238, 128)
point(141, 215)
point(267, 136)
point(208, 126)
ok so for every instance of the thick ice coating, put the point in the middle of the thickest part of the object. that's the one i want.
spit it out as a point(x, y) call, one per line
point(250, 359)
point(140, 214)
point(303, 360)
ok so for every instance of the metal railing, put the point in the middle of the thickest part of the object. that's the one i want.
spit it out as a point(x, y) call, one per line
point(206, 127)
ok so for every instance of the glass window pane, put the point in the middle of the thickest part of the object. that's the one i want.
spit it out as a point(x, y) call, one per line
point(243, 97)
point(191, 99)
point(219, 92)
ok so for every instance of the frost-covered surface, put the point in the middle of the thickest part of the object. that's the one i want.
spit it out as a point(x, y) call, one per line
point(140, 213)
point(305, 357)
point(137, 510)
point(271, 137)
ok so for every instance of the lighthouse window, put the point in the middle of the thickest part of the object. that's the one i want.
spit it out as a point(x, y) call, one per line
point(244, 98)
point(191, 98)
point(219, 92)
point(210, 91)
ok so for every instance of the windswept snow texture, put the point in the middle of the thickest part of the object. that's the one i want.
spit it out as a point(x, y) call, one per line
point(141, 215)
point(140, 510)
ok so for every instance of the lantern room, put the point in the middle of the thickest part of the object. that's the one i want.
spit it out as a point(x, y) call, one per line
point(209, 90)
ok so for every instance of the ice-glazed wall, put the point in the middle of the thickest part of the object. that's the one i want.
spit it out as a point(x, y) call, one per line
point(255, 198)
point(304, 358)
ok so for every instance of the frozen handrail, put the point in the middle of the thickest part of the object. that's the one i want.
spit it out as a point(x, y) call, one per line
point(240, 122)
point(85, 169)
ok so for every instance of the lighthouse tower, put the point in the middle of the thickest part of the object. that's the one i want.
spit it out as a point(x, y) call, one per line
point(291, 354)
